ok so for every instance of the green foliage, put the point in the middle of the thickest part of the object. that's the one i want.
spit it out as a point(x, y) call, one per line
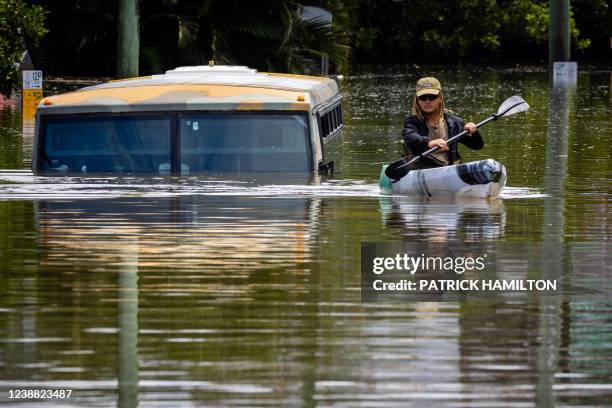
point(228, 32)
point(306, 42)
point(526, 21)
point(462, 28)
point(21, 26)
point(593, 18)
point(266, 34)
point(364, 37)
point(451, 30)
point(269, 35)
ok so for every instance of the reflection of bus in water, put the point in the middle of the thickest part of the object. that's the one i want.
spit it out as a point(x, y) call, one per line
point(193, 120)
point(216, 234)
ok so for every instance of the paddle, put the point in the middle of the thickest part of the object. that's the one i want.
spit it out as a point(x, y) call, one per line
point(512, 105)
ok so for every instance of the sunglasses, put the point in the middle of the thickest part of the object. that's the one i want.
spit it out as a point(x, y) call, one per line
point(424, 98)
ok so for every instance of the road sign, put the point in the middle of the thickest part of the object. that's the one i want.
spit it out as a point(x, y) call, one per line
point(565, 73)
point(32, 94)
point(32, 79)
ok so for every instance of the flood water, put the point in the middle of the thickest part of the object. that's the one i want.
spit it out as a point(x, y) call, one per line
point(195, 291)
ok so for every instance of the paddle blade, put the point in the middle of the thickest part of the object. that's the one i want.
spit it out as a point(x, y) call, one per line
point(397, 169)
point(512, 105)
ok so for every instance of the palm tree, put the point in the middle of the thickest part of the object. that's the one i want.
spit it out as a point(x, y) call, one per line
point(265, 34)
point(268, 34)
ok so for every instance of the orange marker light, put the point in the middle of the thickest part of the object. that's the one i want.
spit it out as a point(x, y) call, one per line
point(47, 102)
point(301, 98)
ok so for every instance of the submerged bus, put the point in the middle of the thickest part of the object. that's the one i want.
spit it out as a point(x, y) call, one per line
point(193, 120)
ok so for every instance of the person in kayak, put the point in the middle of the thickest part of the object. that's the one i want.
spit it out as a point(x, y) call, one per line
point(431, 125)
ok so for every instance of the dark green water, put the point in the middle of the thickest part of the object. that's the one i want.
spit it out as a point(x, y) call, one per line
point(190, 292)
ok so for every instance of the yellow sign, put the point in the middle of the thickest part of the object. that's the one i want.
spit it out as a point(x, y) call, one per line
point(31, 99)
point(32, 94)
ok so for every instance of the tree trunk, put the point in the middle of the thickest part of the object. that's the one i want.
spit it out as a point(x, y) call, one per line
point(128, 41)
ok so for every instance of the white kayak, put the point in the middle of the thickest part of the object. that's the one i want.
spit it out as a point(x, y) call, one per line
point(479, 179)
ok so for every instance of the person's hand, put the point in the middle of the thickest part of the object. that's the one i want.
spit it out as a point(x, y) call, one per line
point(441, 143)
point(471, 128)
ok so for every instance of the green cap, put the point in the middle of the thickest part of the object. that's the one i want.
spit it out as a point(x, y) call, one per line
point(428, 85)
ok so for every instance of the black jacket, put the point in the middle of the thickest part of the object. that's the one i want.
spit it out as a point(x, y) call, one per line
point(415, 137)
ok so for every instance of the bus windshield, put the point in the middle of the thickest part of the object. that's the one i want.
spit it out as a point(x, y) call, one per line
point(106, 144)
point(207, 142)
point(244, 142)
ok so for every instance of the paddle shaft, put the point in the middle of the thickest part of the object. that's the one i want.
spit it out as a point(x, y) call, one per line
point(452, 139)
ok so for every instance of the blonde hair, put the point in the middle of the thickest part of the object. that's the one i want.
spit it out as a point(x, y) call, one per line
point(416, 108)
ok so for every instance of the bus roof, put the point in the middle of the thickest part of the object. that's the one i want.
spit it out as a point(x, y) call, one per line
point(198, 88)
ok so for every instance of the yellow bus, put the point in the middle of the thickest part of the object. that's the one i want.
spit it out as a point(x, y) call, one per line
point(190, 120)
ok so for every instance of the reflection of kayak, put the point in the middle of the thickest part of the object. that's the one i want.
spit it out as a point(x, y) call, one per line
point(479, 179)
point(445, 217)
